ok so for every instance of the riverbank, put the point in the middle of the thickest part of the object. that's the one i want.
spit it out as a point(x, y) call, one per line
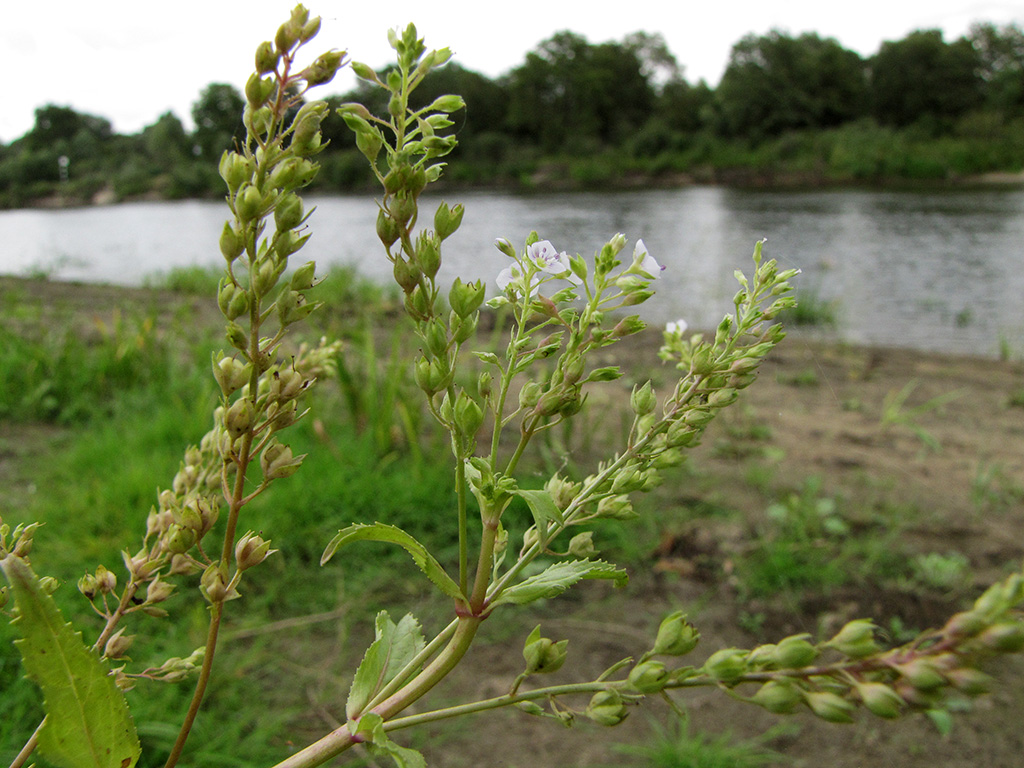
point(915, 457)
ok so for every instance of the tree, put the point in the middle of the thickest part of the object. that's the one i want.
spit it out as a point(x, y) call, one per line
point(218, 120)
point(166, 142)
point(1001, 65)
point(56, 124)
point(776, 83)
point(570, 94)
point(921, 77)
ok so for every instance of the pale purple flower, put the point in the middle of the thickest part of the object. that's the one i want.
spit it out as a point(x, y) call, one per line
point(644, 263)
point(543, 256)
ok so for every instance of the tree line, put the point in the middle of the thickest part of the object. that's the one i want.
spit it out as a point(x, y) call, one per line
point(788, 109)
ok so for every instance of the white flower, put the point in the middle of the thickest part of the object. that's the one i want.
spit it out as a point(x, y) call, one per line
point(676, 327)
point(644, 263)
point(543, 256)
point(547, 259)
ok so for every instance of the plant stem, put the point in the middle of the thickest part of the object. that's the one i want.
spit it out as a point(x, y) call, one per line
point(29, 747)
point(341, 739)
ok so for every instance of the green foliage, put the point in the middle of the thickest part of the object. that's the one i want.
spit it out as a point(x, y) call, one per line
point(674, 746)
point(63, 367)
point(88, 723)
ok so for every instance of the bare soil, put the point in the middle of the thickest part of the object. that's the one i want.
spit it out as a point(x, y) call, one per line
point(943, 479)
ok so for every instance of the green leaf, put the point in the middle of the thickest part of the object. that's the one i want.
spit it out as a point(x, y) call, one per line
point(392, 535)
point(558, 578)
point(544, 511)
point(88, 724)
point(941, 719)
point(380, 745)
point(394, 647)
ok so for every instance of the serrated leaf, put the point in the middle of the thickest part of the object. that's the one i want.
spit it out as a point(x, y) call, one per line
point(544, 511)
point(392, 535)
point(394, 647)
point(88, 724)
point(380, 745)
point(558, 578)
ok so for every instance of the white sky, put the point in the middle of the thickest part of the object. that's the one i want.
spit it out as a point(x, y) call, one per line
point(131, 60)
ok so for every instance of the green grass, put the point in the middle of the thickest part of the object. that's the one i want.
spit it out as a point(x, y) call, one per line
point(674, 746)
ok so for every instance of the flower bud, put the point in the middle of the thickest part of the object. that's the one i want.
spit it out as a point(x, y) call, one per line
point(87, 586)
point(607, 708)
point(258, 90)
point(232, 242)
point(238, 418)
point(616, 508)
point(856, 639)
point(248, 203)
point(232, 299)
point(543, 655)
point(1005, 637)
point(503, 245)
point(251, 550)
point(965, 624)
point(324, 68)
point(530, 394)
point(726, 665)
point(428, 253)
point(676, 636)
point(106, 580)
point(447, 220)
point(922, 674)
point(388, 230)
point(468, 415)
point(466, 298)
point(648, 677)
point(234, 169)
point(582, 545)
point(266, 58)
point(778, 697)
point(643, 400)
point(277, 461)
point(794, 652)
point(829, 706)
point(973, 682)
point(158, 591)
point(117, 644)
point(288, 213)
point(214, 584)
point(448, 103)
point(880, 699)
point(179, 539)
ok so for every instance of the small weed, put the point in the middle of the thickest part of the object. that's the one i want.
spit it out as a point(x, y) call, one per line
point(190, 281)
point(808, 377)
point(810, 310)
point(992, 490)
point(894, 413)
point(675, 747)
point(946, 572)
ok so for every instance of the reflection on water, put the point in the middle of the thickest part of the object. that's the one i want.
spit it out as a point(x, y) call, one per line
point(938, 270)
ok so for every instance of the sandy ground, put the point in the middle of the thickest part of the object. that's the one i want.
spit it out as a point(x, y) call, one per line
point(946, 478)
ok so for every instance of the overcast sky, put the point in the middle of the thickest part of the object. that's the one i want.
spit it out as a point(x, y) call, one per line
point(132, 60)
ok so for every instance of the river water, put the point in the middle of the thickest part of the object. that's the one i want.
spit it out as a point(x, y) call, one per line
point(933, 271)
